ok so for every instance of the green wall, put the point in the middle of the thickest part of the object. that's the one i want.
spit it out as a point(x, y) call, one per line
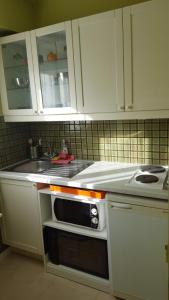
point(22, 15)
point(48, 12)
point(16, 15)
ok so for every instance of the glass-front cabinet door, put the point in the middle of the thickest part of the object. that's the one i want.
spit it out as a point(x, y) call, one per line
point(54, 69)
point(17, 80)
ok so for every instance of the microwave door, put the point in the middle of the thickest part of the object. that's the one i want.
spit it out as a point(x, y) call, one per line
point(71, 211)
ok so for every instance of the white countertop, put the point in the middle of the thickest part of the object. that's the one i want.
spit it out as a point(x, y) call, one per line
point(104, 176)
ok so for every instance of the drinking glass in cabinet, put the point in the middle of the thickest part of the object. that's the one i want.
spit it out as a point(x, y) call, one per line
point(53, 70)
point(16, 75)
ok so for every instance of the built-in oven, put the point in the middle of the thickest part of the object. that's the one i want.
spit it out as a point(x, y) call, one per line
point(79, 252)
point(79, 211)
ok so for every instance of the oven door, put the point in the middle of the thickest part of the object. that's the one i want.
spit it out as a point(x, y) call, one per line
point(76, 212)
point(77, 251)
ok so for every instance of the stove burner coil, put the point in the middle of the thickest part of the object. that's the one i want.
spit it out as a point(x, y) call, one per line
point(147, 178)
point(152, 169)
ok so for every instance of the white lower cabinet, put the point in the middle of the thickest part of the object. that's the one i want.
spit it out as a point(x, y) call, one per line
point(21, 222)
point(138, 238)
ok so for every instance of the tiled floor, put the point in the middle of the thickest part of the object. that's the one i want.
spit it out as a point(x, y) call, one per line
point(23, 278)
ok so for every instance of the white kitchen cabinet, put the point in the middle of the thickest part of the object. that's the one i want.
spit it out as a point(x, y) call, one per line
point(121, 62)
point(54, 69)
point(17, 80)
point(138, 237)
point(21, 220)
point(38, 72)
point(98, 52)
point(146, 63)
point(113, 65)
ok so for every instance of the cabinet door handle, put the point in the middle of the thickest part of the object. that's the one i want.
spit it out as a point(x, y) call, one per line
point(129, 107)
point(166, 253)
point(132, 77)
point(123, 206)
point(41, 111)
point(129, 68)
point(35, 111)
point(80, 55)
point(121, 107)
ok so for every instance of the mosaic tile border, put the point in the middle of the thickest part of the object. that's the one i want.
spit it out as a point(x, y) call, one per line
point(13, 142)
point(135, 141)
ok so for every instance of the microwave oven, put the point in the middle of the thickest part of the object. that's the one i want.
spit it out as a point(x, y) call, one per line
point(78, 210)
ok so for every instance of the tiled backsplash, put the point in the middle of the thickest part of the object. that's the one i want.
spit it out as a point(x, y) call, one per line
point(142, 141)
point(13, 142)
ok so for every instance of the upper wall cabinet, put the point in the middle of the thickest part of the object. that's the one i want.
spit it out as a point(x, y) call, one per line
point(98, 52)
point(38, 72)
point(54, 69)
point(146, 56)
point(17, 80)
point(112, 65)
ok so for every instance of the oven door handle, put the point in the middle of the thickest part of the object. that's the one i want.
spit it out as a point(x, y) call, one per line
point(76, 238)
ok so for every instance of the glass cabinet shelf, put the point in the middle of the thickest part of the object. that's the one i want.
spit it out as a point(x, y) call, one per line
point(16, 66)
point(57, 65)
point(54, 61)
point(18, 88)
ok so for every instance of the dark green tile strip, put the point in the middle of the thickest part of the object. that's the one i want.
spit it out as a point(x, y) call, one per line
point(13, 142)
point(137, 141)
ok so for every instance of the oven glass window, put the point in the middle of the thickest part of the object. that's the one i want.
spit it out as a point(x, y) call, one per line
point(77, 251)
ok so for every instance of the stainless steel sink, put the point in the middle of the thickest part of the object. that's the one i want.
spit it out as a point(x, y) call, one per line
point(32, 166)
point(47, 168)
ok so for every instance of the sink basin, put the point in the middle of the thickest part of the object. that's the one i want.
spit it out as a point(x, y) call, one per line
point(45, 167)
point(32, 166)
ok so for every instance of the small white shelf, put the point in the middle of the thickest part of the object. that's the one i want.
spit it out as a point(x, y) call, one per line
point(67, 195)
point(79, 230)
point(45, 191)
